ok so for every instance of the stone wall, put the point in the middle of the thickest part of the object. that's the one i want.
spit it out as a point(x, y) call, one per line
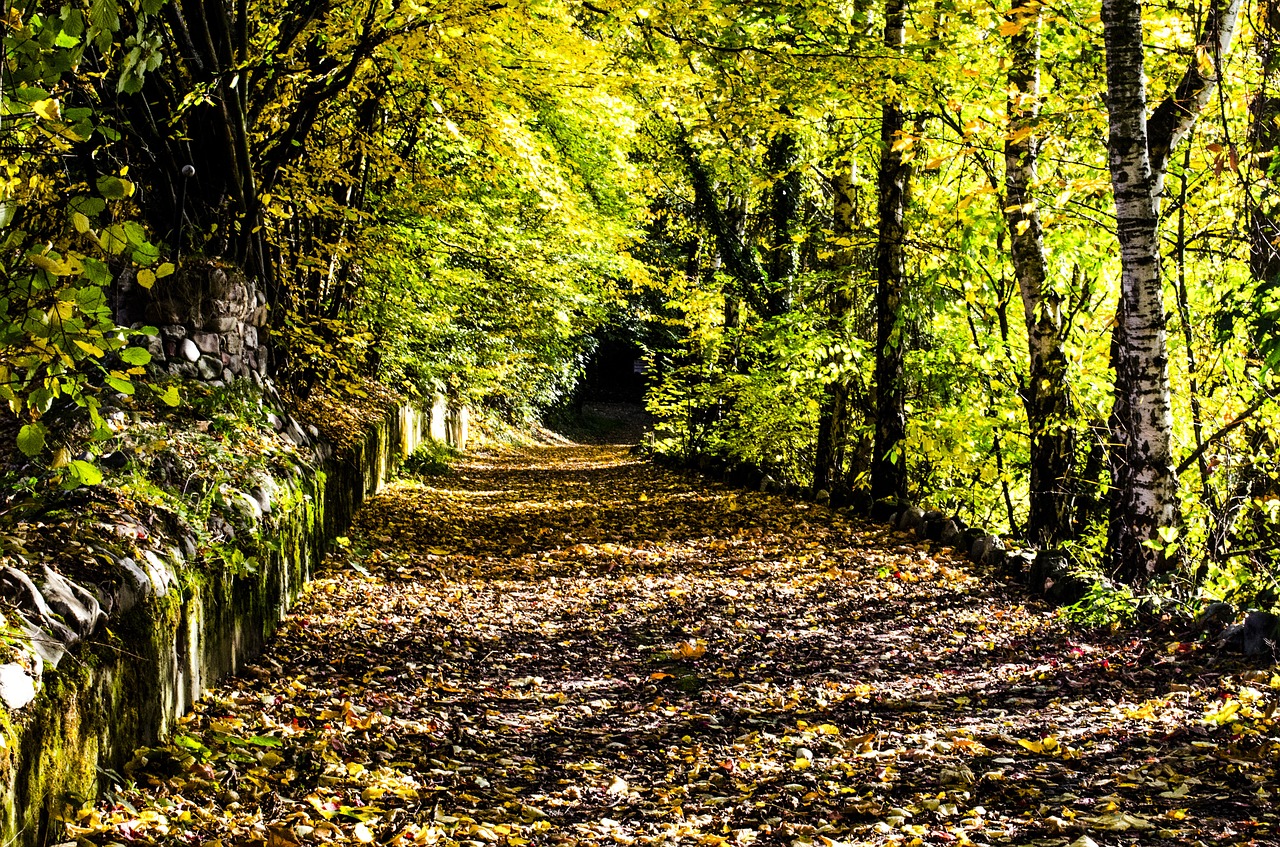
point(212, 321)
point(136, 655)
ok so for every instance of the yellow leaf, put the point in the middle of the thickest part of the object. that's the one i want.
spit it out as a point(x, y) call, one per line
point(362, 834)
point(44, 263)
point(146, 278)
point(61, 459)
point(80, 222)
point(47, 109)
point(1033, 746)
point(91, 349)
point(1010, 28)
point(164, 270)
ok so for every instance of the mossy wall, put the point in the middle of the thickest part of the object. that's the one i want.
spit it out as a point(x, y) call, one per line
point(128, 688)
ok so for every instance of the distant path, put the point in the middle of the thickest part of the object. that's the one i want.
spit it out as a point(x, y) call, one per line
point(568, 646)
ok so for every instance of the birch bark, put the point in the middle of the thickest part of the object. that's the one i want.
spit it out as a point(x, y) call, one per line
point(1144, 485)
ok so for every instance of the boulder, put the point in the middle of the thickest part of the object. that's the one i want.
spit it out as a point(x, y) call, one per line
point(987, 550)
point(17, 688)
point(884, 509)
point(189, 351)
point(1257, 636)
point(911, 519)
point(950, 533)
point(18, 588)
point(78, 608)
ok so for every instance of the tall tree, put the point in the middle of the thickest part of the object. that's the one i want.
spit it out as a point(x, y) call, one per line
point(1046, 393)
point(834, 414)
point(1144, 485)
point(888, 463)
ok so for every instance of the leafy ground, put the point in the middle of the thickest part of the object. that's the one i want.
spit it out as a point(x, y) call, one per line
point(565, 645)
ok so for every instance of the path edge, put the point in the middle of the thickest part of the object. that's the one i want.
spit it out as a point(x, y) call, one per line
point(112, 695)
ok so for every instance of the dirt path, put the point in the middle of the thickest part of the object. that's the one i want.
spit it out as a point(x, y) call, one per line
point(569, 646)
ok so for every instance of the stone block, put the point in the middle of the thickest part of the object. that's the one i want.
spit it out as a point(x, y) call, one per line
point(210, 344)
point(209, 368)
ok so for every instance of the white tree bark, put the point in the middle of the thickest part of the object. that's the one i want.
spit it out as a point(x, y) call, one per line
point(1144, 483)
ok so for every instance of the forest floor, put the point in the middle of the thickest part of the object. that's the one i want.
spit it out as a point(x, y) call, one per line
point(567, 645)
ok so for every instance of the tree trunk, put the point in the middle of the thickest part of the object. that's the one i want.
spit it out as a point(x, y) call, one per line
point(1046, 396)
point(834, 415)
point(888, 461)
point(782, 160)
point(1144, 485)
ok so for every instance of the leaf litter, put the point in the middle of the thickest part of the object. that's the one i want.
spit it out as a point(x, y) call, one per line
point(566, 645)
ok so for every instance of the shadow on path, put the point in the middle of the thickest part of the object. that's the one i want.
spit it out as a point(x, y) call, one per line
point(566, 645)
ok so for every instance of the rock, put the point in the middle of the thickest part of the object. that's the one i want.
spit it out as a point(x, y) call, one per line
point(883, 509)
point(209, 343)
point(17, 688)
point(276, 423)
point(822, 496)
point(222, 324)
point(768, 483)
point(78, 608)
point(950, 533)
point(1257, 636)
point(1215, 617)
point(173, 332)
point(987, 550)
point(1052, 578)
point(911, 518)
point(260, 361)
point(115, 460)
point(235, 345)
point(17, 587)
point(247, 506)
point(250, 336)
point(50, 650)
point(931, 526)
point(1018, 564)
point(259, 316)
point(135, 586)
point(190, 351)
point(970, 535)
point(158, 572)
point(933, 515)
point(209, 368)
point(154, 345)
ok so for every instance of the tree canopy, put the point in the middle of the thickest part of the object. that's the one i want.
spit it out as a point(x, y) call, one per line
point(1016, 261)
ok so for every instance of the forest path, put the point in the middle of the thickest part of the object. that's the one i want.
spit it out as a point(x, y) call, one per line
point(570, 646)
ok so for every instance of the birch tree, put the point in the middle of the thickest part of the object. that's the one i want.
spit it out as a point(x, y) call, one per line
point(1144, 486)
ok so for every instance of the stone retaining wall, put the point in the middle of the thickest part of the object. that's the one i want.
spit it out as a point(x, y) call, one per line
point(167, 633)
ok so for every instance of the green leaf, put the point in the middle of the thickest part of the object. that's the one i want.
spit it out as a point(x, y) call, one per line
point(124, 386)
point(169, 396)
point(135, 356)
point(31, 439)
point(82, 473)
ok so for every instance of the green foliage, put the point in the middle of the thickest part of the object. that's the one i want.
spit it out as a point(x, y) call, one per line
point(64, 236)
point(1103, 605)
point(434, 458)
